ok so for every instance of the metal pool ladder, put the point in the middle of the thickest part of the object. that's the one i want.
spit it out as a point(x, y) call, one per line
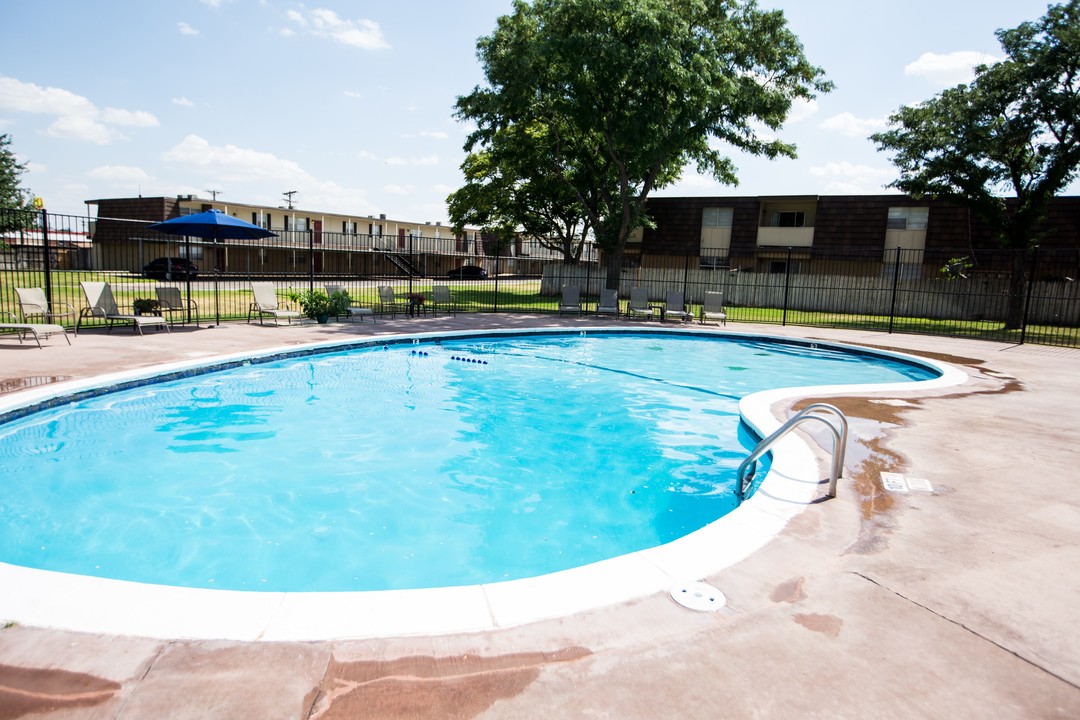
point(810, 412)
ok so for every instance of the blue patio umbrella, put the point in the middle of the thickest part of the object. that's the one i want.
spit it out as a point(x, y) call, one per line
point(213, 225)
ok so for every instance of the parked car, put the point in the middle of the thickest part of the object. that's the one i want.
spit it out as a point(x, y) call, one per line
point(171, 269)
point(468, 272)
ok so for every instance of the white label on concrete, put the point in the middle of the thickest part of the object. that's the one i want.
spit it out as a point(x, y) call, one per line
point(893, 482)
point(921, 484)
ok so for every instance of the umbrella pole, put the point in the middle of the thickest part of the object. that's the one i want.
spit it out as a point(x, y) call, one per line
point(217, 304)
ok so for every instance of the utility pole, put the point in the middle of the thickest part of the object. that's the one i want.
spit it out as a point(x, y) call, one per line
point(288, 198)
point(215, 193)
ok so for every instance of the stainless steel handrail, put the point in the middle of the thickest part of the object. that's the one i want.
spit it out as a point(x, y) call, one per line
point(810, 412)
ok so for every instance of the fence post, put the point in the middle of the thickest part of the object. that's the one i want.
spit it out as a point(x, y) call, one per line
point(311, 259)
point(498, 255)
point(45, 249)
point(1030, 289)
point(787, 284)
point(895, 286)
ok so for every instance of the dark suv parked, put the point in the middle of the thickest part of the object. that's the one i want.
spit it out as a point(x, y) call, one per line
point(468, 272)
point(171, 269)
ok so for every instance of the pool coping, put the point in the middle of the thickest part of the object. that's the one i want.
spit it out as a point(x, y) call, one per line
point(130, 608)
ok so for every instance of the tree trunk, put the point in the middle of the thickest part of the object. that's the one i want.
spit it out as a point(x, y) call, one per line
point(1014, 317)
point(614, 269)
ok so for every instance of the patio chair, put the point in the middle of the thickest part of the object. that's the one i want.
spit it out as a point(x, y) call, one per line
point(352, 310)
point(100, 303)
point(571, 300)
point(441, 298)
point(266, 304)
point(171, 301)
point(639, 304)
point(608, 303)
point(33, 303)
point(388, 302)
point(675, 307)
point(712, 308)
point(38, 330)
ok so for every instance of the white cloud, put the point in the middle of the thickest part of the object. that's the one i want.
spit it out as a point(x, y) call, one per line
point(354, 94)
point(802, 109)
point(399, 189)
point(229, 164)
point(395, 161)
point(186, 29)
point(183, 101)
point(363, 34)
point(123, 174)
point(213, 3)
point(367, 155)
point(847, 124)
point(286, 32)
point(948, 70)
point(437, 134)
point(846, 178)
point(128, 118)
point(428, 160)
point(77, 117)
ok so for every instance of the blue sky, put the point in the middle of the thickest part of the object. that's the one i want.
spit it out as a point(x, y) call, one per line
point(351, 103)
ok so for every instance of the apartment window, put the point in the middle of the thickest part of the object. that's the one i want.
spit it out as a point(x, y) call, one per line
point(908, 218)
point(789, 218)
point(286, 227)
point(348, 227)
point(302, 224)
point(717, 217)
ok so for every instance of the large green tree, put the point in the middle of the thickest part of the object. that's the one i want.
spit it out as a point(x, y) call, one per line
point(16, 204)
point(507, 190)
point(633, 91)
point(1014, 130)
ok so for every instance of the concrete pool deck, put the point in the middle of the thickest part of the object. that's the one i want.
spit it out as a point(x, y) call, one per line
point(959, 602)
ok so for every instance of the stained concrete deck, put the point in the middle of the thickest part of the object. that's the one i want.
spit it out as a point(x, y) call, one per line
point(960, 603)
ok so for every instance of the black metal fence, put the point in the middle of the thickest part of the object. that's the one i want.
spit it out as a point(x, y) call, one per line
point(944, 292)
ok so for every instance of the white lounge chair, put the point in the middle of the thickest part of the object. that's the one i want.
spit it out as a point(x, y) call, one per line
point(171, 301)
point(571, 300)
point(352, 310)
point(102, 304)
point(675, 307)
point(639, 304)
point(712, 308)
point(33, 303)
point(609, 303)
point(266, 304)
point(441, 298)
point(38, 330)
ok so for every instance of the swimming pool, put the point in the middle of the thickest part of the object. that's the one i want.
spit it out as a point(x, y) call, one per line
point(405, 465)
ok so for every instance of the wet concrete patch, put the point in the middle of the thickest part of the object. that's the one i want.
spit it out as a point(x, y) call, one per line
point(10, 385)
point(455, 687)
point(825, 624)
point(31, 691)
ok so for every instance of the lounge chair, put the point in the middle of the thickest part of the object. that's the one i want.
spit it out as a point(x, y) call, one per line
point(33, 303)
point(388, 302)
point(352, 310)
point(266, 304)
point(639, 304)
point(100, 302)
point(675, 307)
point(571, 300)
point(171, 301)
point(441, 298)
point(712, 308)
point(609, 303)
point(38, 330)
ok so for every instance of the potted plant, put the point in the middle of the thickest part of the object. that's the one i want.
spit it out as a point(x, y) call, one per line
point(339, 303)
point(315, 304)
point(145, 306)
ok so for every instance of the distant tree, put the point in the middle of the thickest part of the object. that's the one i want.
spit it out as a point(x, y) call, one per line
point(506, 190)
point(1014, 129)
point(632, 91)
point(15, 203)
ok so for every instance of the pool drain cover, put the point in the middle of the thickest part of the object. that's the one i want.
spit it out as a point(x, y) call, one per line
point(698, 596)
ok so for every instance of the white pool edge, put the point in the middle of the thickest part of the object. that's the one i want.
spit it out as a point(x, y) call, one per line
point(86, 604)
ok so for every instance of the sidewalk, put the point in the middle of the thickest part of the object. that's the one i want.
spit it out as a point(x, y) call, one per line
point(960, 603)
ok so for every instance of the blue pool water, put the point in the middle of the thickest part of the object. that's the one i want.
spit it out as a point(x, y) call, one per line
point(400, 466)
